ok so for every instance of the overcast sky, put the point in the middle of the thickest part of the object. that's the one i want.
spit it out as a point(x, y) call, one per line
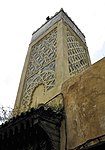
point(18, 20)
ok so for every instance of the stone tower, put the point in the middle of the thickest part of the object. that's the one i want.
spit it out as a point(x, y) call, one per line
point(57, 52)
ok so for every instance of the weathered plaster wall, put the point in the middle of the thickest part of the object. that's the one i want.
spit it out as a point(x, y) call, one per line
point(84, 102)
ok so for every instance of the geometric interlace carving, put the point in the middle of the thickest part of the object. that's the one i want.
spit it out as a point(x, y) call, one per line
point(77, 55)
point(41, 66)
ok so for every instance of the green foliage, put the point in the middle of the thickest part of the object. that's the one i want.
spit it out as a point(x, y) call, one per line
point(5, 114)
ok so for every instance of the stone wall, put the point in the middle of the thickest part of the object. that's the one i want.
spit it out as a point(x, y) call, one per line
point(84, 102)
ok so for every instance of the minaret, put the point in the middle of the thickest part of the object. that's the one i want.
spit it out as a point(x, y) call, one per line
point(57, 52)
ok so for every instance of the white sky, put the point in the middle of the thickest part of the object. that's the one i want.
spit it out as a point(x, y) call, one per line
point(18, 20)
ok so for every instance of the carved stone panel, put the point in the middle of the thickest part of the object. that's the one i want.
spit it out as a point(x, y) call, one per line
point(77, 55)
point(41, 66)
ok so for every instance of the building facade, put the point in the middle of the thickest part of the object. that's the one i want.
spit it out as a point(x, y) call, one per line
point(60, 100)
